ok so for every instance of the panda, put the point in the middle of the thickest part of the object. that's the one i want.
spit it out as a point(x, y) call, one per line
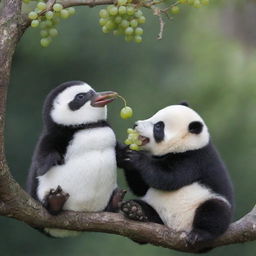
point(178, 175)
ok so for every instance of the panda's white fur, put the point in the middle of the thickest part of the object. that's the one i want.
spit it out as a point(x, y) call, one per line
point(176, 208)
point(62, 114)
point(177, 137)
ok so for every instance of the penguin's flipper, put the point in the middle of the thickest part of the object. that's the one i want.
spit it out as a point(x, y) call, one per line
point(55, 200)
point(116, 200)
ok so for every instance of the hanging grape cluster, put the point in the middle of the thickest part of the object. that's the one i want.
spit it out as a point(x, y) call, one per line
point(133, 139)
point(124, 18)
point(47, 19)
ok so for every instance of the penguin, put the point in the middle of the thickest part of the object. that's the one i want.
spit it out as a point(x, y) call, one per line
point(74, 162)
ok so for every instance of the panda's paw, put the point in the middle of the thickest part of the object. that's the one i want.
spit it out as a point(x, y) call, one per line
point(55, 200)
point(133, 210)
point(198, 236)
point(134, 159)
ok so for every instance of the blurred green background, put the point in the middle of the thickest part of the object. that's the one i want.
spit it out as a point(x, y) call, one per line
point(206, 57)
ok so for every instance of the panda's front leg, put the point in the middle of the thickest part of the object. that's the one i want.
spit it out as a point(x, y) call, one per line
point(55, 200)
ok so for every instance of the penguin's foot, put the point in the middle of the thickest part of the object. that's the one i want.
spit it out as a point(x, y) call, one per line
point(116, 200)
point(133, 210)
point(55, 200)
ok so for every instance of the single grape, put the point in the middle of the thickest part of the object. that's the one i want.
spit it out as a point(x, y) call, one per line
point(113, 11)
point(53, 32)
point(130, 131)
point(49, 15)
point(127, 142)
point(118, 19)
point(110, 25)
point(138, 39)
point(126, 112)
point(32, 15)
point(44, 33)
point(175, 9)
point(122, 10)
point(134, 147)
point(105, 29)
point(41, 6)
point(134, 23)
point(71, 11)
point(129, 31)
point(130, 10)
point(142, 19)
point(124, 23)
point(103, 13)
point(64, 14)
point(45, 42)
point(138, 31)
point(34, 23)
point(103, 21)
point(138, 14)
point(57, 7)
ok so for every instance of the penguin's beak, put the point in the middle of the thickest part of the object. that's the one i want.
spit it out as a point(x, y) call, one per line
point(101, 99)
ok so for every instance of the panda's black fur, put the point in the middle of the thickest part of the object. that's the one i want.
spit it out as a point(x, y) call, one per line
point(173, 171)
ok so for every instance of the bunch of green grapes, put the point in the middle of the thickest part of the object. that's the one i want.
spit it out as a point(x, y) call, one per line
point(124, 18)
point(175, 9)
point(47, 19)
point(133, 139)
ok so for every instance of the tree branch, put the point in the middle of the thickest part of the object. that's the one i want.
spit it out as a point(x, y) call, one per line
point(16, 203)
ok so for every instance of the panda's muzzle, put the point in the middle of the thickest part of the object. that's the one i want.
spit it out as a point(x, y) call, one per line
point(101, 99)
point(144, 140)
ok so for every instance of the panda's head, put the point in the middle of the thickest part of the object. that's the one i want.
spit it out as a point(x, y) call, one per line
point(76, 103)
point(174, 129)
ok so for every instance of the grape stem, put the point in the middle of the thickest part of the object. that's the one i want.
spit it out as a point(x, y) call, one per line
point(123, 99)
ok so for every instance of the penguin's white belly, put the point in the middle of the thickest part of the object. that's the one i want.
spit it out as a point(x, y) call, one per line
point(89, 172)
point(177, 208)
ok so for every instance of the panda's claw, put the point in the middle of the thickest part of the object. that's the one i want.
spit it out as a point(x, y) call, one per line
point(133, 210)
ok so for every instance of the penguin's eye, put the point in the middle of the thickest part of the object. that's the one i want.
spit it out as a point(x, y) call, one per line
point(80, 96)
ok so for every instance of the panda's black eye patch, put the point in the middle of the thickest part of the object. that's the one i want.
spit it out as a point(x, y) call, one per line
point(80, 99)
point(195, 127)
point(159, 131)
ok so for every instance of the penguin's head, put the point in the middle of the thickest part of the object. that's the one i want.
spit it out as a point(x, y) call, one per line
point(76, 103)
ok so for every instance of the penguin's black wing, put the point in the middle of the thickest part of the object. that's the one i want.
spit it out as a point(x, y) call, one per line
point(45, 156)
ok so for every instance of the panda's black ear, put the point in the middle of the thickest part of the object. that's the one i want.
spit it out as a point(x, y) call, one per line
point(195, 127)
point(184, 103)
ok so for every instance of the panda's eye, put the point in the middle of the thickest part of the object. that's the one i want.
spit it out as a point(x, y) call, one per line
point(159, 125)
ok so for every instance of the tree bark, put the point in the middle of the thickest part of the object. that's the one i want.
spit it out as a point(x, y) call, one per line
point(16, 203)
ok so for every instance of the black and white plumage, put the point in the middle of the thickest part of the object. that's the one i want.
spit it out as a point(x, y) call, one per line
point(75, 155)
point(179, 175)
